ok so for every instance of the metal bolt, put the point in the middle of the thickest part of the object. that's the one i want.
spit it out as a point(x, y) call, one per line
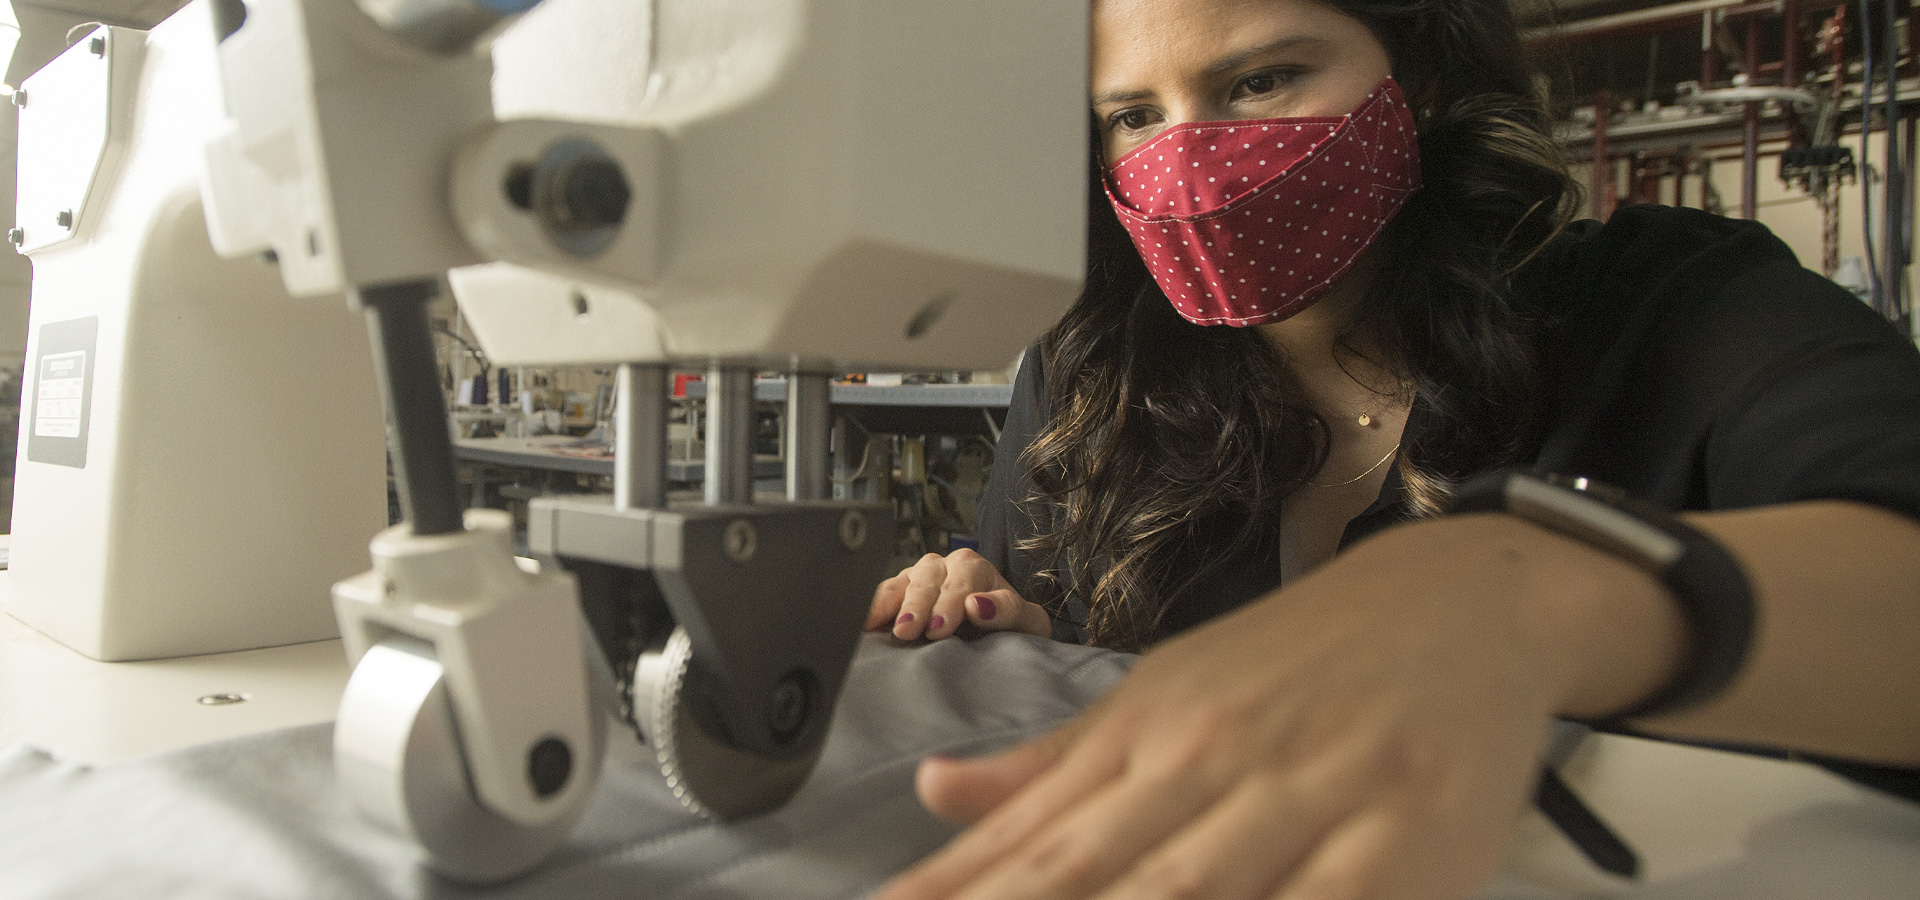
point(741, 540)
point(97, 46)
point(20, 97)
point(222, 699)
point(64, 218)
point(16, 236)
point(787, 706)
point(853, 530)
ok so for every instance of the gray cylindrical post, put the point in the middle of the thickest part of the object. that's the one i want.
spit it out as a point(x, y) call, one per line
point(408, 372)
point(809, 425)
point(640, 438)
point(843, 460)
point(729, 478)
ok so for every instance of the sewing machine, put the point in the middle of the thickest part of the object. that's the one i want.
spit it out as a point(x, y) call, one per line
point(791, 185)
point(803, 186)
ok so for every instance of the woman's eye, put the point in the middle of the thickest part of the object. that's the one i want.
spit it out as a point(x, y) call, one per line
point(1131, 119)
point(1260, 83)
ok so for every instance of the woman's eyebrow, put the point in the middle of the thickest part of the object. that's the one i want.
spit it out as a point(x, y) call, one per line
point(1241, 58)
point(1121, 97)
point(1224, 64)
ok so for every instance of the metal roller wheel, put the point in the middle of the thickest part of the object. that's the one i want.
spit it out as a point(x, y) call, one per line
point(397, 754)
point(709, 776)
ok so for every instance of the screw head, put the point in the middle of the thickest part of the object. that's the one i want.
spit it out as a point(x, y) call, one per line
point(787, 706)
point(741, 540)
point(97, 46)
point(853, 530)
point(19, 97)
point(64, 218)
point(16, 236)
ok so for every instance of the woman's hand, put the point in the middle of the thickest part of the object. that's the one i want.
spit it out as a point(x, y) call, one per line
point(931, 598)
point(1371, 732)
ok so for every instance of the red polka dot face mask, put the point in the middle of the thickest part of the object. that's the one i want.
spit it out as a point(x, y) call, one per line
point(1244, 223)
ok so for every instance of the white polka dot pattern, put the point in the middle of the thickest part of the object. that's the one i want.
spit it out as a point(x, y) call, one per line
point(1244, 223)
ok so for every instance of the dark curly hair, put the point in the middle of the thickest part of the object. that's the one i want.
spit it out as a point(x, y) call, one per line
point(1170, 446)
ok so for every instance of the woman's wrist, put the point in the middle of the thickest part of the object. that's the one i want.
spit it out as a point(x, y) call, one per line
point(1601, 634)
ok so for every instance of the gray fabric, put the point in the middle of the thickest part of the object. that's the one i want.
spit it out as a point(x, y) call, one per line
point(260, 816)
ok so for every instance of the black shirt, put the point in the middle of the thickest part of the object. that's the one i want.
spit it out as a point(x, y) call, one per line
point(1688, 359)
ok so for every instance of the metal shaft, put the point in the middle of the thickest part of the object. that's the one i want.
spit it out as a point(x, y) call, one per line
point(729, 479)
point(640, 438)
point(408, 370)
point(809, 427)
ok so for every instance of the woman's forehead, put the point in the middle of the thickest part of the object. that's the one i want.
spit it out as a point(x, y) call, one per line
point(1152, 39)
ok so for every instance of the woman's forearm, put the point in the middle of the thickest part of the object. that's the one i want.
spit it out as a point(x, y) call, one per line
point(1834, 666)
point(1835, 662)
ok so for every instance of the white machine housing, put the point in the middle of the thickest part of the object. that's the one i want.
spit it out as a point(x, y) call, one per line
point(809, 188)
point(200, 457)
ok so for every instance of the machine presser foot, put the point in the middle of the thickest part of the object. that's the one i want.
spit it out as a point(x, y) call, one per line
point(739, 623)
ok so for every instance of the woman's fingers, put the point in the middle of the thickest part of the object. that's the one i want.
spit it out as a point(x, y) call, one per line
point(1006, 610)
point(887, 597)
point(1238, 850)
point(1085, 848)
point(935, 596)
point(964, 791)
point(1025, 788)
point(924, 581)
point(1367, 858)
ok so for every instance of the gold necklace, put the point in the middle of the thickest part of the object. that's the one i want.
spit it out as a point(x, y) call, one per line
point(1369, 471)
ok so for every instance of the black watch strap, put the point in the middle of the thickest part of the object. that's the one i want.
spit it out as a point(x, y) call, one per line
point(1703, 578)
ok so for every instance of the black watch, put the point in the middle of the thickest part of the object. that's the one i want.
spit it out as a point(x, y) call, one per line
point(1703, 578)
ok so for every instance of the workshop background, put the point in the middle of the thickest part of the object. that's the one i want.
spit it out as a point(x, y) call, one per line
point(1797, 113)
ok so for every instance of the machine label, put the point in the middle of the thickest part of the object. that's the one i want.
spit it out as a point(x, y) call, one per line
point(62, 393)
point(62, 377)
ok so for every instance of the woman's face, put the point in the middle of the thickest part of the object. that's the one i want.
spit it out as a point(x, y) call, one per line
point(1161, 63)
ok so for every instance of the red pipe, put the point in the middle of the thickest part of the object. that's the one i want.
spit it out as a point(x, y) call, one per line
point(1790, 40)
point(1602, 166)
point(1790, 22)
point(1750, 136)
point(1709, 57)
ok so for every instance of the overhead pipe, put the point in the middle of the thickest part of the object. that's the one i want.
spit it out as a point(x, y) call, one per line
point(1662, 18)
point(1632, 22)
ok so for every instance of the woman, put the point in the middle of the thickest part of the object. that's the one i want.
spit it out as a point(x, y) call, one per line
point(1330, 707)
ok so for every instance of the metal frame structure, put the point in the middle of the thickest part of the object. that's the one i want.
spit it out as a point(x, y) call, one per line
point(1838, 67)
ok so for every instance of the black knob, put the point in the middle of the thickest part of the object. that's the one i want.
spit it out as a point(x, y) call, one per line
point(594, 193)
point(549, 765)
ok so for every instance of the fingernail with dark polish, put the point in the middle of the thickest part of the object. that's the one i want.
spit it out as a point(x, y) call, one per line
point(904, 619)
point(985, 604)
point(935, 623)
